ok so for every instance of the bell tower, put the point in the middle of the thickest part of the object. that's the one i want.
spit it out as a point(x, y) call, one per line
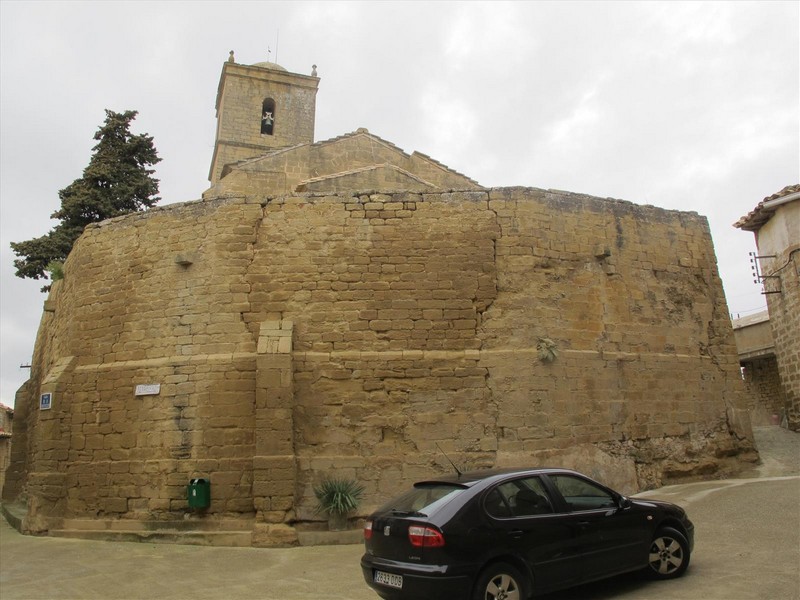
point(260, 108)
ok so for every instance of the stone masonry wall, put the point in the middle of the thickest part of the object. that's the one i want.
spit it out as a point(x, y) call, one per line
point(152, 298)
point(765, 395)
point(311, 335)
point(632, 298)
point(778, 238)
point(6, 426)
point(244, 88)
point(284, 170)
point(784, 309)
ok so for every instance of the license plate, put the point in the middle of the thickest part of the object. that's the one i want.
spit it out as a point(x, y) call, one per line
point(390, 579)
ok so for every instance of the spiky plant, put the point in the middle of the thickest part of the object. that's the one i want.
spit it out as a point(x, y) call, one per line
point(337, 496)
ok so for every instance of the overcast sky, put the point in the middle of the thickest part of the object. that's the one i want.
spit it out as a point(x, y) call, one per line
point(689, 106)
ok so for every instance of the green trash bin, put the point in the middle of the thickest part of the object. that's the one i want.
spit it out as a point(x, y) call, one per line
point(199, 493)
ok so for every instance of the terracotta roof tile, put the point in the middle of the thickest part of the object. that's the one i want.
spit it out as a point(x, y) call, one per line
point(753, 220)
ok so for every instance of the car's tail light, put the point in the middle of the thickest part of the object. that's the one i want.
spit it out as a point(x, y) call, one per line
point(425, 537)
point(368, 530)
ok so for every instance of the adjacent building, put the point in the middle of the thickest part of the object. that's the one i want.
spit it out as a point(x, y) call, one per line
point(775, 222)
point(6, 427)
point(766, 399)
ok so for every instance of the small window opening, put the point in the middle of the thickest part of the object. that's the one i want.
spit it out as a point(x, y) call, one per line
point(268, 116)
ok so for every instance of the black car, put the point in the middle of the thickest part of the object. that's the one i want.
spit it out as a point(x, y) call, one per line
point(507, 534)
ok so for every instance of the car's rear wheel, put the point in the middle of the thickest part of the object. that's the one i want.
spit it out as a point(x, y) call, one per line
point(669, 554)
point(501, 581)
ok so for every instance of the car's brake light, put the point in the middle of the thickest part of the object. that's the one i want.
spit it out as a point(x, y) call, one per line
point(368, 530)
point(425, 537)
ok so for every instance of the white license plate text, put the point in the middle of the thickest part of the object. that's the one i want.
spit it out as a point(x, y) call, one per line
point(390, 579)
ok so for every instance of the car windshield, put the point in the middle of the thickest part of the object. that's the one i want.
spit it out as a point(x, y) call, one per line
point(424, 499)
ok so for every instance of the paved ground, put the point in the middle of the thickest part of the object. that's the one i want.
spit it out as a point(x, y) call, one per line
point(747, 547)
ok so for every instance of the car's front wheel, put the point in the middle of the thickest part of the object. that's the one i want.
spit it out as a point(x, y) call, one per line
point(669, 554)
point(501, 581)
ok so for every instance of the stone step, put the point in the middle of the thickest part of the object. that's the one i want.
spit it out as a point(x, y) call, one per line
point(14, 513)
point(193, 531)
point(163, 536)
point(330, 538)
point(199, 525)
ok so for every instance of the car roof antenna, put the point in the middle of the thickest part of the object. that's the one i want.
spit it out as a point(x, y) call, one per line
point(448, 458)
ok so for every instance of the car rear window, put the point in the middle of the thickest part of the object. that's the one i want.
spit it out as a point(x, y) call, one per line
point(425, 498)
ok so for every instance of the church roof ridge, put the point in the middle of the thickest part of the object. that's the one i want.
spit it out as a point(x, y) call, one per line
point(365, 132)
point(273, 152)
point(444, 166)
point(361, 131)
point(357, 132)
point(369, 168)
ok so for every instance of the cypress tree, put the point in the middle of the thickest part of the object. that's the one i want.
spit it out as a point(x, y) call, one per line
point(117, 181)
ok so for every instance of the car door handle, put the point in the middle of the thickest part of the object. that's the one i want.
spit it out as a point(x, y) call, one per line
point(516, 534)
point(583, 524)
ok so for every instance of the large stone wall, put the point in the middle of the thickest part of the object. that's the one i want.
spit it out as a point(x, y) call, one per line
point(310, 335)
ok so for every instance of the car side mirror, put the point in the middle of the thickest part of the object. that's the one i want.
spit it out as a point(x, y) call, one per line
point(624, 502)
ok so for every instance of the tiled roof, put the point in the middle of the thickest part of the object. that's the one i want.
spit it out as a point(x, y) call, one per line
point(753, 220)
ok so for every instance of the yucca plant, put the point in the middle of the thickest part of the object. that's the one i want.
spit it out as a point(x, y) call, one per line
point(338, 498)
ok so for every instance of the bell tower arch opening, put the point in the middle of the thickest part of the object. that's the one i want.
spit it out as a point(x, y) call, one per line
point(267, 116)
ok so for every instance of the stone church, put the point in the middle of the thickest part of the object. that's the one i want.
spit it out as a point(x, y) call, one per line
point(344, 308)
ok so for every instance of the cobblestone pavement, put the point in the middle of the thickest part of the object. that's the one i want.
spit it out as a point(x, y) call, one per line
point(747, 547)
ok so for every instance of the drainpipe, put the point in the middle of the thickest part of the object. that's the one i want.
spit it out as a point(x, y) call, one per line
point(782, 200)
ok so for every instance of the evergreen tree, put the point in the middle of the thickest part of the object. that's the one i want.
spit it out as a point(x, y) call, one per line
point(117, 181)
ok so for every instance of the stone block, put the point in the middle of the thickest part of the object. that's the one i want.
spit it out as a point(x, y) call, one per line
point(274, 535)
point(115, 505)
